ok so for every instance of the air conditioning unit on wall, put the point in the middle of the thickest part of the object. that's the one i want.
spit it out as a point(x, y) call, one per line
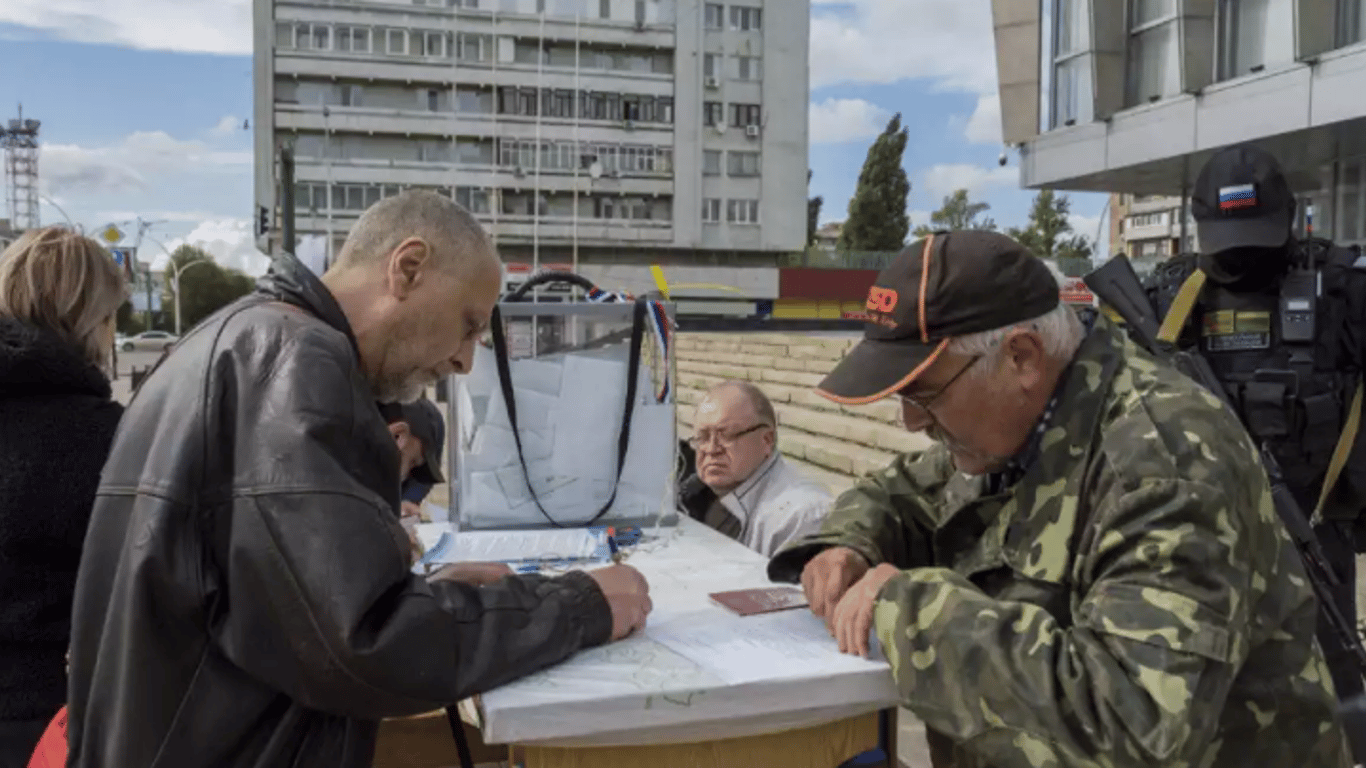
point(752, 131)
point(713, 82)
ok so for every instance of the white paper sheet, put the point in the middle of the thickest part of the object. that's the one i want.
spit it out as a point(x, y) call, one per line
point(510, 546)
point(788, 644)
point(437, 514)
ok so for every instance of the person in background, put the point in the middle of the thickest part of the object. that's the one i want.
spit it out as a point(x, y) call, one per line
point(743, 487)
point(420, 432)
point(246, 596)
point(59, 293)
point(1281, 322)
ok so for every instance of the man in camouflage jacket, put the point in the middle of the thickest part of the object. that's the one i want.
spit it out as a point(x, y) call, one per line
point(1086, 570)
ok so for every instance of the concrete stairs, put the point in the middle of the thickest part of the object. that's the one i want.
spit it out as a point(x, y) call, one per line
point(830, 442)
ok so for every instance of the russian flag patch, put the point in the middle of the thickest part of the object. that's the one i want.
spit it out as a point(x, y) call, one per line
point(1240, 196)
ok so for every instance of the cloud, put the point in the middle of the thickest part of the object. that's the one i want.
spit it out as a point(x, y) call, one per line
point(837, 121)
point(941, 180)
point(227, 126)
point(125, 167)
point(156, 216)
point(1086, 227)
point(984, 126)
point(230, 242)
point(947, 42)
point(193, 26)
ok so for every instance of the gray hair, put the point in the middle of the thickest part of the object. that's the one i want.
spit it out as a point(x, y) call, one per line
point(447, 226)
point(763, 407)
point(1059, 328)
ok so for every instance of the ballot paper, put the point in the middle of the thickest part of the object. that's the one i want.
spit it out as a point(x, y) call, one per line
point(787, 644)
point(575, 544)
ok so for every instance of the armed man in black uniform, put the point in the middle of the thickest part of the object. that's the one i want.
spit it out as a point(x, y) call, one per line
point(1282, 322)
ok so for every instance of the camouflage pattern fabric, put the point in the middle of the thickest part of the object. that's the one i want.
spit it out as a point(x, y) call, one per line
point(1173, 626)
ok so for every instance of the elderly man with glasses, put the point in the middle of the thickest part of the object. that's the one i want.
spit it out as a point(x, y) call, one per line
point(743, 488)
point(1086, 568)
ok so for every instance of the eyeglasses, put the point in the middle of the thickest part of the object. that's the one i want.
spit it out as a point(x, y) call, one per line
point(923, 402)
point(721, 438)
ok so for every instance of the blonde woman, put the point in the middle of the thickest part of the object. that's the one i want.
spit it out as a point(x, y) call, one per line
point(59, 293)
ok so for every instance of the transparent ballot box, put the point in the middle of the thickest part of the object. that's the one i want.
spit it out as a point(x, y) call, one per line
point(569, 453)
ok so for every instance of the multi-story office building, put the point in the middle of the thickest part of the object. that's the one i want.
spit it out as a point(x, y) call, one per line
point(593, 130)
point(1147, 228)
point(1133, 96)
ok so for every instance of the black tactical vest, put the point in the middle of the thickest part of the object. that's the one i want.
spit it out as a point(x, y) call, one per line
point(1292, 395)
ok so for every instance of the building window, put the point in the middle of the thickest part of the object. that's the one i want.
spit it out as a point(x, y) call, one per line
point(472, 47)
point(742, 163)
point(748, 68)
point(742, 211)
point(713, 113)
point(1072, 97)
point(711, 210)
point(1146, 220)
point(709, 68)
point(351, 95)
point(353, 39)
point(1154, 55)
point(604, 9)
point(746, 19)
point(1254, 34)
point(1351, 24)
point(397, 42)
point(711, 162)
point(715, 16)
point(284, 34)
point(434, 44)
point(310, 196)
point(475, 199)
point(742, 115)
point(314, 37)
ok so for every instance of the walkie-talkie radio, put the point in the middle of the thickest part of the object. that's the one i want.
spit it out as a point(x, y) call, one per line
point(1299, 297)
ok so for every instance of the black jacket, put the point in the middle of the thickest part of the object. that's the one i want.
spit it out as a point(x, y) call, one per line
point(56, 421)
point(245, 597)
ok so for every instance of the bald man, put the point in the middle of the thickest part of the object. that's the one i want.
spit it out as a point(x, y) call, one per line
point(244, 596)
point(743, 487)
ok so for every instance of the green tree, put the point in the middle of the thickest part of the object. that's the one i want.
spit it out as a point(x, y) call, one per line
point(877, 214)
point(129, 322)
point(813, 213)
point(204, 289)
point(957, 212)
point(1049, 235)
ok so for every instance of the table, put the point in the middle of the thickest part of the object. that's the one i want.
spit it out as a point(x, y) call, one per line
point(643, 692)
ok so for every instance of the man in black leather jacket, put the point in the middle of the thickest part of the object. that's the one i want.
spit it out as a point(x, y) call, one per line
point(244, 596)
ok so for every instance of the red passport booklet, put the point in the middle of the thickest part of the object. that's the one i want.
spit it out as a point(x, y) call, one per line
point(748, 602)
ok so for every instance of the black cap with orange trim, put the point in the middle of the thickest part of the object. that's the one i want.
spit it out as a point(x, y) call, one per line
point(949, 284)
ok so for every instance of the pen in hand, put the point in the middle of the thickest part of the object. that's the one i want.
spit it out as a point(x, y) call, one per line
point(612, 545)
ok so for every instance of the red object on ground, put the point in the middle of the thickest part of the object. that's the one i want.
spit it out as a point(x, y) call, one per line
point(51, 751)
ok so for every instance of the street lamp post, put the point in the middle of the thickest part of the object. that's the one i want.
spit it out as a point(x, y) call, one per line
point(176, 271)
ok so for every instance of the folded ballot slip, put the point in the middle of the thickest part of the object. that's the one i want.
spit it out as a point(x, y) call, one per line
point(749, 602)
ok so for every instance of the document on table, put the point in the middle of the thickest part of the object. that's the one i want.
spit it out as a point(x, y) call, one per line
point(509, 546)
point(778, 645)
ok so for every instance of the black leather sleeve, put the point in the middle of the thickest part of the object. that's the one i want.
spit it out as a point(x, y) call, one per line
point(310, 556)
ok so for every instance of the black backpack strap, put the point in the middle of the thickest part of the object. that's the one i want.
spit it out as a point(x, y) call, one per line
point(500, 352)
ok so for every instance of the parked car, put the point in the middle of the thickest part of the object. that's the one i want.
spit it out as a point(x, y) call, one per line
point(148, 341)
